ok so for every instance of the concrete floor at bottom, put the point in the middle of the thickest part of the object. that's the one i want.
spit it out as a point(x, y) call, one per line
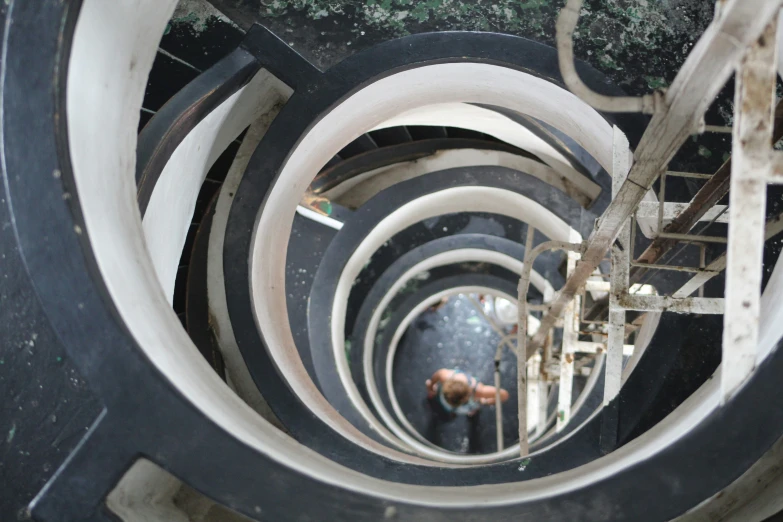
point(454, 336)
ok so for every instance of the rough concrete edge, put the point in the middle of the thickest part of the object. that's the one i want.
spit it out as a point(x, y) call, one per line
point(197, 13)
point(749, 498)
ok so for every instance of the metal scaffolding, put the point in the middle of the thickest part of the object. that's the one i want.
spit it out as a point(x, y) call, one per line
point(741, 38)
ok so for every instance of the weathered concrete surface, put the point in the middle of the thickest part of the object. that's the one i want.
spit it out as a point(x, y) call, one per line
point(639, 44)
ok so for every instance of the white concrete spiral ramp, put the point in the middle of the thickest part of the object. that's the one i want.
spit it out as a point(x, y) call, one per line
point(98, 218)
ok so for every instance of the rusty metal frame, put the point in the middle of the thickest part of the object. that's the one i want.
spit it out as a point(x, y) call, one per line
point(621, 298)
point(716, 128)
point(522, 339)
point(707, 68)
point(692, 175)
point(648, 209)
point(569, 348)
point(739, 25)
point(599, 347)
point(662, 303)
point(705, 199)
point(773, 227)
point(619, 282)
point(566, 24)
point(661, 233)
point(694, 237)
point(752, 168)
point(717, 212)
point(534, 390)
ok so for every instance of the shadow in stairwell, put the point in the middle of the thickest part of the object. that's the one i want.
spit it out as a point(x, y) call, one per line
point(453, 336)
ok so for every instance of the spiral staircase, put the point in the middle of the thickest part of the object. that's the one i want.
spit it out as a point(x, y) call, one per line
point(242, 283)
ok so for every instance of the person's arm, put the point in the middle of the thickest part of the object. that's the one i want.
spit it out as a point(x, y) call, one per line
point(486, 394)
point(432, 382)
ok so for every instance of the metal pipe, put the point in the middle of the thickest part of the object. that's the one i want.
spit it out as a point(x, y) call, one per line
point(661, 204)
point(522, 289)
point(631, 244)
point(673, 268)
point(566, 23)
point(692, 175)
point(533, 368)
point(622, 253)
point(565, 393)
point(706, 70)
point(660, 303)
point(498, 408)
point(693, 237)
point(717, 128)
point(504, 340)
point(524, 284)
point(543, 386)
point(648, 210)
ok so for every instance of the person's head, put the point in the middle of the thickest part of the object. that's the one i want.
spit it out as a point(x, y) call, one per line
point(456, 392)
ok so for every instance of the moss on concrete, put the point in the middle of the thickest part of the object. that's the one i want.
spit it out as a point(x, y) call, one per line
point(638, 43)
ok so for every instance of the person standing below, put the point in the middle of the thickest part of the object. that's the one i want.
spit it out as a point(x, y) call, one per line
point(458, 393)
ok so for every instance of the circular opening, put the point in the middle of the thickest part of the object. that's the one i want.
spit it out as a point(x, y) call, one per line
point(401, 91)
point(463, 334)
point(107, 201)
point(449, 258)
